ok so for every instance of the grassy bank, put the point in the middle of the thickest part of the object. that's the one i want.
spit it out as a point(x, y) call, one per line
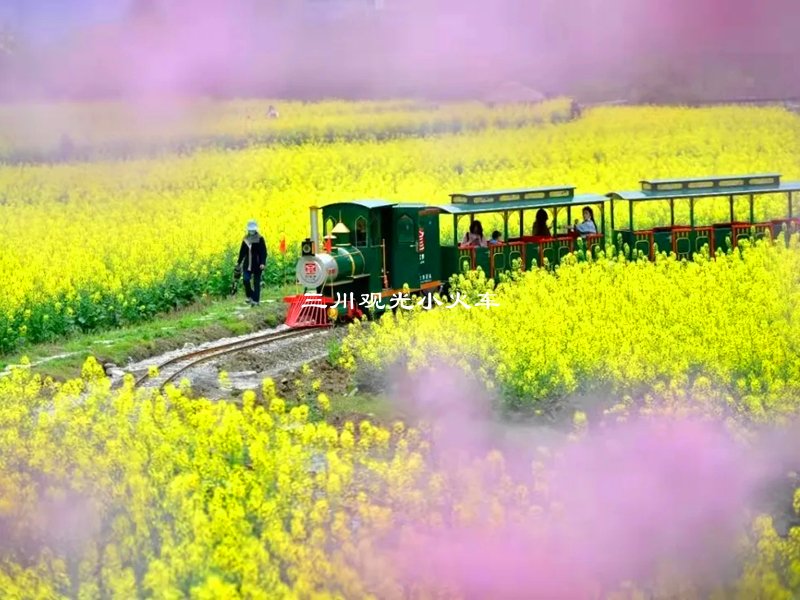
point(203, 321)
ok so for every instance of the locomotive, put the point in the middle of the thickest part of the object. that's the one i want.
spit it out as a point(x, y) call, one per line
point(375, 249)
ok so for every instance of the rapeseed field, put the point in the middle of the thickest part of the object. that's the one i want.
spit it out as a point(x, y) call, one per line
point(98, 244)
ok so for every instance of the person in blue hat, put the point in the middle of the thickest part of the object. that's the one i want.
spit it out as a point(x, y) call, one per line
point(252, 261)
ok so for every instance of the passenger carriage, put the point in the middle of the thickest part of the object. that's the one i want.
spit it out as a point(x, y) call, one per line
point(685, 239)
point(517, 207)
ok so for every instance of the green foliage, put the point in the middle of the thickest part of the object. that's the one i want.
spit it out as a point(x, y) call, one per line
point(470, 285)
point(114, 493)
point(334, 352)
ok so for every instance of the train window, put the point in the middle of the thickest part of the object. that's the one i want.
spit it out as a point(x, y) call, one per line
point(701, 184)
point(731, 183)
point(329, 225)
point(361, 231)
point(405, 230)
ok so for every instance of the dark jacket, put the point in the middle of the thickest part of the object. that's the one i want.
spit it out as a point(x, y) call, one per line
point(253, 252)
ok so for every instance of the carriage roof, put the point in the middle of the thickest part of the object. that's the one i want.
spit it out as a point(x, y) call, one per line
point(369, 203)
point(705, 187)
point(517, 199)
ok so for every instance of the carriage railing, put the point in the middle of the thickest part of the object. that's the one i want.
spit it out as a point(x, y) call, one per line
point(501, 256)
point(516, 251)
point(466, 255)
point(592, 243)
point(704, 236)
point(540, 250)
point(643, 242)
point(792, 225)
point(554, 249)
point(686, 240)
point(496, 254)
point(754, 231)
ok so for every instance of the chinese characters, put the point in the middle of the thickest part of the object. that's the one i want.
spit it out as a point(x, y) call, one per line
point(380, 302)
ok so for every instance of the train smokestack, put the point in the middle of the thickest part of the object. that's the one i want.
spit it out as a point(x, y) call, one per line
point(315, 227)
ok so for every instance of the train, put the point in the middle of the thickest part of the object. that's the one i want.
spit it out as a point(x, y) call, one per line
point(375, 249)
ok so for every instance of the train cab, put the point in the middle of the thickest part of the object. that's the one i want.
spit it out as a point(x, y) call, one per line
point(414, 255)
point(371, 250)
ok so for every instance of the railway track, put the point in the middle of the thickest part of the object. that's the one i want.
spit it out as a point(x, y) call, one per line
point(170, 369)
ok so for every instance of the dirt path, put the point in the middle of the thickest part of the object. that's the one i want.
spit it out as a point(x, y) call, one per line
point(247, 369)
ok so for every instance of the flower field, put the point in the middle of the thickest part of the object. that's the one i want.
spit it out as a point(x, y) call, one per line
point(98, 130)
point(85, 245)
point(123, 494)
point(711, 339)
point(725, 330)
point(680, 481)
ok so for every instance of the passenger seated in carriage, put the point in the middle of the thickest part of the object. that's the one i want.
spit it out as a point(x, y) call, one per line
point(588, 226)
point(474, 237)
point(497, 238)
point(540, 227)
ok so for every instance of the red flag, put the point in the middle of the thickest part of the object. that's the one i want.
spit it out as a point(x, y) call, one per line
point(283, 244)
point(328, 245)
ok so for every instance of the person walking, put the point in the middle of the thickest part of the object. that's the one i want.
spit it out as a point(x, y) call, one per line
point(252, 261)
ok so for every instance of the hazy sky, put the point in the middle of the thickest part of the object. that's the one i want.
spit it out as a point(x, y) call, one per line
point(44, 20)
point(286, 43)
point(701, 22)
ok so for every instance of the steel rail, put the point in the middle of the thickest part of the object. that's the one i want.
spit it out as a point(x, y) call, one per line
point(199, 356)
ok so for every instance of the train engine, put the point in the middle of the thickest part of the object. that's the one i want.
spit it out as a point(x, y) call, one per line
point(372, 250)
point(338, 273)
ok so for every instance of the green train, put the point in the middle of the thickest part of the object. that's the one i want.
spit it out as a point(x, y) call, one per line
point(376, 249)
